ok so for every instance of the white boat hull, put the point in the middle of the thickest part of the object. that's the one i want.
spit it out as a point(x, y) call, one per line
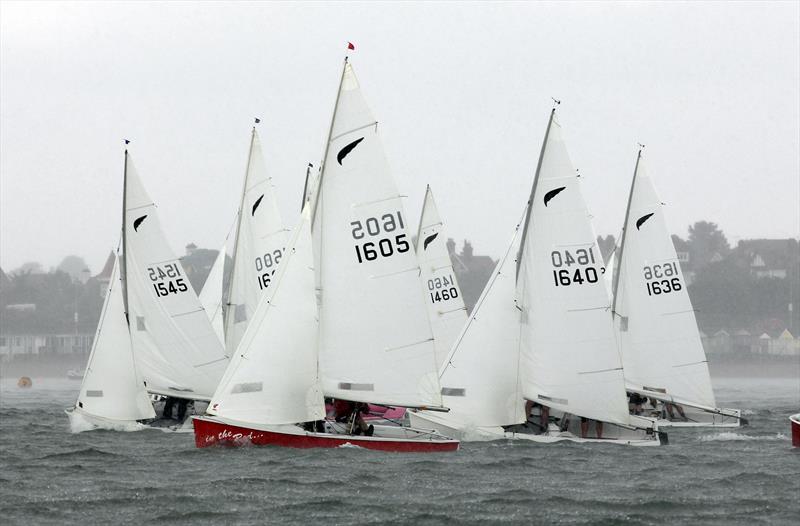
point(613, 434)
point(697, 417)
point(80, 421)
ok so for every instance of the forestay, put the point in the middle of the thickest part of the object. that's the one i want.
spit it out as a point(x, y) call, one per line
point(568, 353)
point(273, 378)
point(211, 294)
point(111, 388)
point(258, 246)
point(653, 315)
point(175, 347)
point(480, 379)
point(376, 343)
point(442, 294)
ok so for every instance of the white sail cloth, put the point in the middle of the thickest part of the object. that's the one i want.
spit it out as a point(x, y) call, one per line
point(258, 246)
point(480, 378)
point(376, 343)
point(568, 353)
point(653, 315)
point(211, 294)
point(441, 291)
point(175, 347)
point(273, 378)
point(111, 388)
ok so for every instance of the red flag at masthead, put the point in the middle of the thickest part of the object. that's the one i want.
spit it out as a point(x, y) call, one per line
point(350, 46)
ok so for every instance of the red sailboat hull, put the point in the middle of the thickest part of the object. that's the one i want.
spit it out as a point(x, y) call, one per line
point(210, 431)
point(795, 420)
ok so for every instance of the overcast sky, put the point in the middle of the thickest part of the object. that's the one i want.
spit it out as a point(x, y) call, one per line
point(462, 92)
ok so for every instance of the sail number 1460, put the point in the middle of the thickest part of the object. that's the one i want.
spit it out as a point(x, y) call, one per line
point(382, 241)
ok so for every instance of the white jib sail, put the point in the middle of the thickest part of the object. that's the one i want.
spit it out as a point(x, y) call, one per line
point(480, 378)
point(442, 293)
point(376, 343)
point(569, 356)
point(273, 378)
point(211, 294)
point(175, 347)
point(657, 330)
point(258, 247)
point(608, 275)
point(111, 388)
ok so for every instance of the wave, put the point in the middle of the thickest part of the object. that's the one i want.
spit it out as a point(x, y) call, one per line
point(89, 452)
point(730, 436)
point(348, 445)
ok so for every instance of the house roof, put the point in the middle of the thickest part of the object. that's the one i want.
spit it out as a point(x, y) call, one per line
point(108, 268)
point(770, 254)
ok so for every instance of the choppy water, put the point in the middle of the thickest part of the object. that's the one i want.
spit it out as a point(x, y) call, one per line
point(49, 476)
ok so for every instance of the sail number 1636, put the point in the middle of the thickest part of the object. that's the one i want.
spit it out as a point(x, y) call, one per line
point(380, 239)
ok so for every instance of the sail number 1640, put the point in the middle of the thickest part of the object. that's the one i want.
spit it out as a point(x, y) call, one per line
point(584, 272)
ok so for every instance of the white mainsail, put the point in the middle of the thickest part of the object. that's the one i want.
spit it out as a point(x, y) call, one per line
point(480, 378)
point(376, 343)
point(111, 388)
point(258, 246)
point(211, 294)
point(568, 353)
point(656, 326)
point(273, 378)
point(175, 348)
point(442, 293)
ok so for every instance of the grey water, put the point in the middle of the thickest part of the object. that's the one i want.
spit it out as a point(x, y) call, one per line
point(749, 475)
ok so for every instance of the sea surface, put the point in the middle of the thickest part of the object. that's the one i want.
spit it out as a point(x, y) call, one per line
point(737, 476)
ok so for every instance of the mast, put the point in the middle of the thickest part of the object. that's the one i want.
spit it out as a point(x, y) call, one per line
point(533, 189)
point(122, 260)
point(228, 314)
point(327, 145)
point(618, 266)
point(305, 187)
point(422, 214)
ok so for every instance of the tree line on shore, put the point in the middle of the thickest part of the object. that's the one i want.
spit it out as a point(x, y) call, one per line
point(755, 285)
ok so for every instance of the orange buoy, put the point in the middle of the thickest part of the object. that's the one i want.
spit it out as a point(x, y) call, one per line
point(24, 382)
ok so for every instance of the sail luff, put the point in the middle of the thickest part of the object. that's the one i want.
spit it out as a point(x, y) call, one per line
point(327, 145)
point(123, 259)
point(533, 190)
point(230, 313)
point(615, 283)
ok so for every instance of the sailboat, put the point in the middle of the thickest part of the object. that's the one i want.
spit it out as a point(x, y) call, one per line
point(445, 303)
point(257, 247)
point(662, 353)
point(541, 332)
point(350, 271)
point(175, 354)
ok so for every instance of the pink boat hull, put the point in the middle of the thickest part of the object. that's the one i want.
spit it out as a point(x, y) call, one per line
point(212, 432)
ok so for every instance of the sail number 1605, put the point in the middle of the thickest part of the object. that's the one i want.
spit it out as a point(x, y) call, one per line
point(382, 241)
